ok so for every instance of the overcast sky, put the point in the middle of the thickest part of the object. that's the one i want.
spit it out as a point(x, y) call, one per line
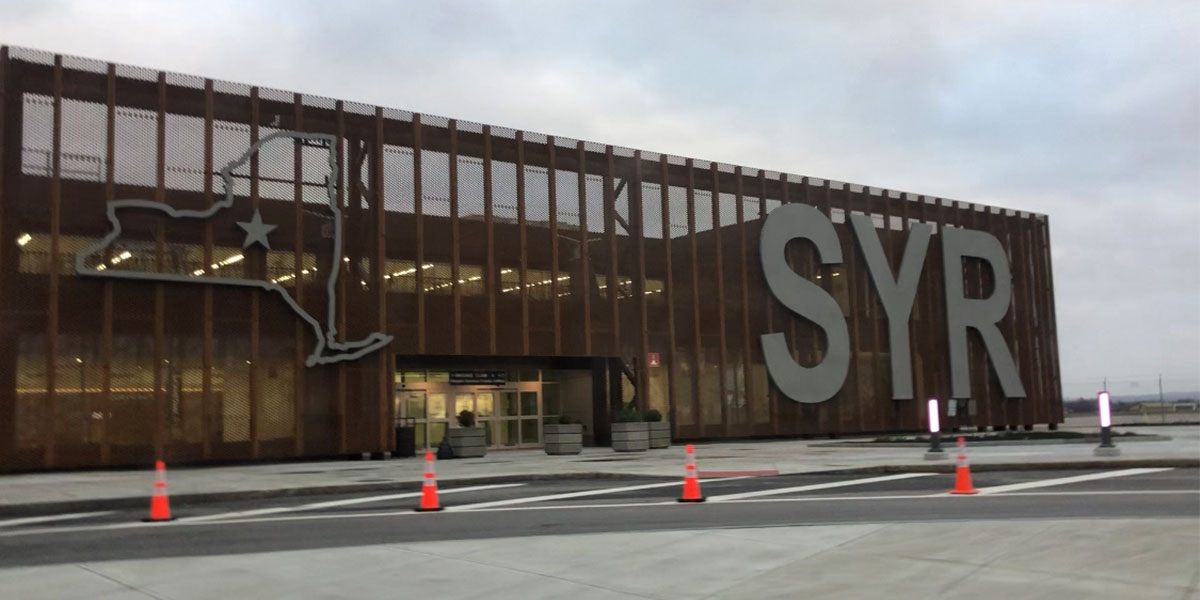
point(1088, 112)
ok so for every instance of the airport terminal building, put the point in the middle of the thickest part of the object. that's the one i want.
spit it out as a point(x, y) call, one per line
point(205, 271)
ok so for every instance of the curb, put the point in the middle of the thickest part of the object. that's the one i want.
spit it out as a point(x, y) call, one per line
point(1133, 463)
point(995, 443)
point(183, 500)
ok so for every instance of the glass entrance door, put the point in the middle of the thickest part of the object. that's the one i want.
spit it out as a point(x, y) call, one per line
point(483, 405)
point(519, 420)
point(428, 411)
point(510, 414)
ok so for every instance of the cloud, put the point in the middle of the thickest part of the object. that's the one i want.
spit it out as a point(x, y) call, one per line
point(1089, 112)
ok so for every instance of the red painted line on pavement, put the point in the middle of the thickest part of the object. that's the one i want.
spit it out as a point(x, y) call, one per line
point(765, 473)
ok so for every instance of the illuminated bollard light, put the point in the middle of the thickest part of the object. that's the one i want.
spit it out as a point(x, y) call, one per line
point(1106, 447)
point(935, 451)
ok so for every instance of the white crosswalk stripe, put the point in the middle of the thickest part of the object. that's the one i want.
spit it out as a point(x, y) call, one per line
point(338, 503)
point(583, 494)
point(1027, 485)
point(52, 518)
point(815, 486)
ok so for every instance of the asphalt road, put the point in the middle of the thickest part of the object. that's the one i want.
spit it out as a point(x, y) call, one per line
point(600, 505)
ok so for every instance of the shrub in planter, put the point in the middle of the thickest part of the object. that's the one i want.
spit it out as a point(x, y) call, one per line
point(659, 430)
point(466, 418)
point(467, 440)
point(629, 432)
point(563, 436)
point(628, 414)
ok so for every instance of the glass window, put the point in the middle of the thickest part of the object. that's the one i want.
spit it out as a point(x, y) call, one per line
point(529, 404)
point(464, 402)
point(437, 406)
point(415, 406)
point(508, 405)
point(509, 432)
point(529, 431)
point(414, 376)
point(528, 375)
point(485, 404)
point(437, 431)
point(438, 377)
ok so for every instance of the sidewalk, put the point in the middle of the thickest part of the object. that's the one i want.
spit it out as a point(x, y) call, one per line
point(38, 493)
point(1140, 558)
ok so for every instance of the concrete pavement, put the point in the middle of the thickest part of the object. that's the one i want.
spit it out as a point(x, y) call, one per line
point(1059, 559)
point(31, 493)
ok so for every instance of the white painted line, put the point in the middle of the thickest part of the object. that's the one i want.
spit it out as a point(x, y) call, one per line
point(981, 452)
point(658, 504)
point(583, 494)
point(815, 486)
point(945, 495)
point(1014, 487)
point(338, 503)
point(52, 518)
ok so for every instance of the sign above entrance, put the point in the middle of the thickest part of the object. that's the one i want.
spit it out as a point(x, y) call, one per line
point(652, 359)
point(478, 378)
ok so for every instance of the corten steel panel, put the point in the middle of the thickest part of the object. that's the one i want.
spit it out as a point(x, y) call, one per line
point(669, 291)
point(552, 217)
point(297, 267)
point(342, 415)
point(592, 223)
point(693, 278)
point(583, 288)
point(7, 354)
point(523, 243)
point(383, 414)
point(50, 415)
point(254, 262)
point(489, 274)
point(207, 397)
point(455, 255)
point(1051, 332)
point(419, 261)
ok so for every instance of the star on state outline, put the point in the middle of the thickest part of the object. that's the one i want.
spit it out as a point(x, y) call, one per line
point(256, 231)
point(327, 349)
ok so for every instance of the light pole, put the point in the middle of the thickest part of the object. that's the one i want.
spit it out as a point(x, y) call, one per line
point(935, 451)
point(1106, 447)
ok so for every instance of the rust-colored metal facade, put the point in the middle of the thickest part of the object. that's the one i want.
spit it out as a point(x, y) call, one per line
point(462, 240)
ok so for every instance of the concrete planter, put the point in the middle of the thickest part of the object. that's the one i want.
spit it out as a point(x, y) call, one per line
point(630, 437)
point(467, 442)
point(563, 439)
point(660, 434)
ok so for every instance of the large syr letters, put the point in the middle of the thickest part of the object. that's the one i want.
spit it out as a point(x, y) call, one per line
point(807, 299)
point(896, 293)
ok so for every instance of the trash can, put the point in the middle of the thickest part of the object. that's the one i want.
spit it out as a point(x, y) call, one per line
point(406, 438)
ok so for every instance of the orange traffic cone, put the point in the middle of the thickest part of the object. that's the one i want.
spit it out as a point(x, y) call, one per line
point(691, 481)
point(429, 497)
point(962, 473)
point(160, 504)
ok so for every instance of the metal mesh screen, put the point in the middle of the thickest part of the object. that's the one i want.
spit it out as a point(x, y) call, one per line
point(275, 391)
